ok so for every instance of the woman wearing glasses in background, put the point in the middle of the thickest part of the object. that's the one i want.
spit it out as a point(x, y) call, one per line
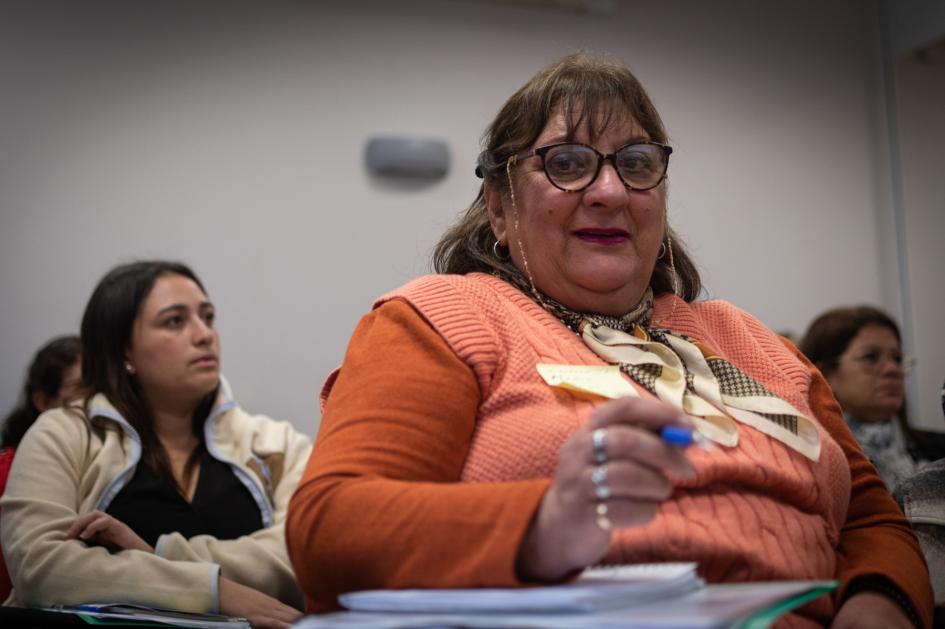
point(447, 455)
point(859, 350)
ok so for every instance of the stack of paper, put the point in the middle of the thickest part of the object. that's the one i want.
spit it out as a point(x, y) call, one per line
point(647, 596)
point(595, 589)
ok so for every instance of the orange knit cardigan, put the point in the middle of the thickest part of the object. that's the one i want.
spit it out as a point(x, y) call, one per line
point(445, 389)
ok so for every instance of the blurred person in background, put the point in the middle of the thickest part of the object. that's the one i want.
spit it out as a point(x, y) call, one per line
point(52, 378)
point(922, 499)
point(859, 351)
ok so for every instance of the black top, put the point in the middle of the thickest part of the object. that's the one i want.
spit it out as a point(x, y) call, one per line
point(222, 506)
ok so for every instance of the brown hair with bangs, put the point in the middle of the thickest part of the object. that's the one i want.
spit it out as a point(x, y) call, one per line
point(592, 91)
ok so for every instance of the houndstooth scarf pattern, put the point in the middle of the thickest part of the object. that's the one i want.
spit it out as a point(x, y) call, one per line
point(716, 394)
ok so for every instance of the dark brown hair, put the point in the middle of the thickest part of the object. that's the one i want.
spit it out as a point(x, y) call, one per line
point(829, 336)
point(45, 374)
point(106, 333)
point(592, 92)
point(830, 333)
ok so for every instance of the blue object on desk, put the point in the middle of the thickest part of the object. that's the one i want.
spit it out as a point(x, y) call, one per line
point(683, 437)
point(82, 608)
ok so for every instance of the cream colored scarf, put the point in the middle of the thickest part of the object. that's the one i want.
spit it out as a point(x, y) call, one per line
point(681, 371)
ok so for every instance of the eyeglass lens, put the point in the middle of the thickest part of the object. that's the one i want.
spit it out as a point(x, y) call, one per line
point(875, 360)
point(574, 167)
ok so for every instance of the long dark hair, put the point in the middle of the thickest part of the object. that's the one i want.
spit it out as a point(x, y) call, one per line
point(581, 85)
point(44, 375)
point(106, 333)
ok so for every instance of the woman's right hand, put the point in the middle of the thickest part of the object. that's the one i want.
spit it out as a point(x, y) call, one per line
point(262, 611)
point(100, 529)
point(640, 468)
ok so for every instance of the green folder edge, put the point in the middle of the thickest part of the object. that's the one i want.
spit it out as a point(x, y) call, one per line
point(766, 617)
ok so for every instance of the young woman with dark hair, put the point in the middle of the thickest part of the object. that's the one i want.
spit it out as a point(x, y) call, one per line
point(157, 488)
point(53, 377)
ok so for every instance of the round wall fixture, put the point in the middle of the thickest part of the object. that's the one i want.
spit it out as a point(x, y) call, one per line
point(404, 156)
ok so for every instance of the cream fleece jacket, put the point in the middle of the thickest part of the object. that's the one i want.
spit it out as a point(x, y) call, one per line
point(68, 465)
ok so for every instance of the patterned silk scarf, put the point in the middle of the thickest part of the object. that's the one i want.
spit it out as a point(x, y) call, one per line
point(681, 371)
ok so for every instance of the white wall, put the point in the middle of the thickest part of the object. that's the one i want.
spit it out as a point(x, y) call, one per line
point(231, 135)
point(920, 83)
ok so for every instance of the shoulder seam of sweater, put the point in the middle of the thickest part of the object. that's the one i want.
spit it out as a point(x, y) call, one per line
point(456, 318)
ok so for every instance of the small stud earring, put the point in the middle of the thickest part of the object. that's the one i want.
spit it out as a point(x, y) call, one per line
point(129, 368)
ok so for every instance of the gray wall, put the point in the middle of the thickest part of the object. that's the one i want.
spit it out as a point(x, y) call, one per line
point(230, 135)
point(913, 24)
point(920, 126)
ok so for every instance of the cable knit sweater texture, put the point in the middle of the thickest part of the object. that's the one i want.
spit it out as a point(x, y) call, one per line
point(759, 511)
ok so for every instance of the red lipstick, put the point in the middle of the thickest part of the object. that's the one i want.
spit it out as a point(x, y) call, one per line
point(602, 236)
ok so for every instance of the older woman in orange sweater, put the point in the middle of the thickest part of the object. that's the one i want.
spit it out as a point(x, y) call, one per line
point(450, 455)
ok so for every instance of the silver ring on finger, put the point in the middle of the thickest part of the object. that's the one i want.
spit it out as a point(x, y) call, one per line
point(599, 478)
point(603, 522)
point(602, 491)
point(599, 443)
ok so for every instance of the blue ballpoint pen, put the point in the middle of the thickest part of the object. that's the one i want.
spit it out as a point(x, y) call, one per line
point(84, 607)
point(684, 437)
